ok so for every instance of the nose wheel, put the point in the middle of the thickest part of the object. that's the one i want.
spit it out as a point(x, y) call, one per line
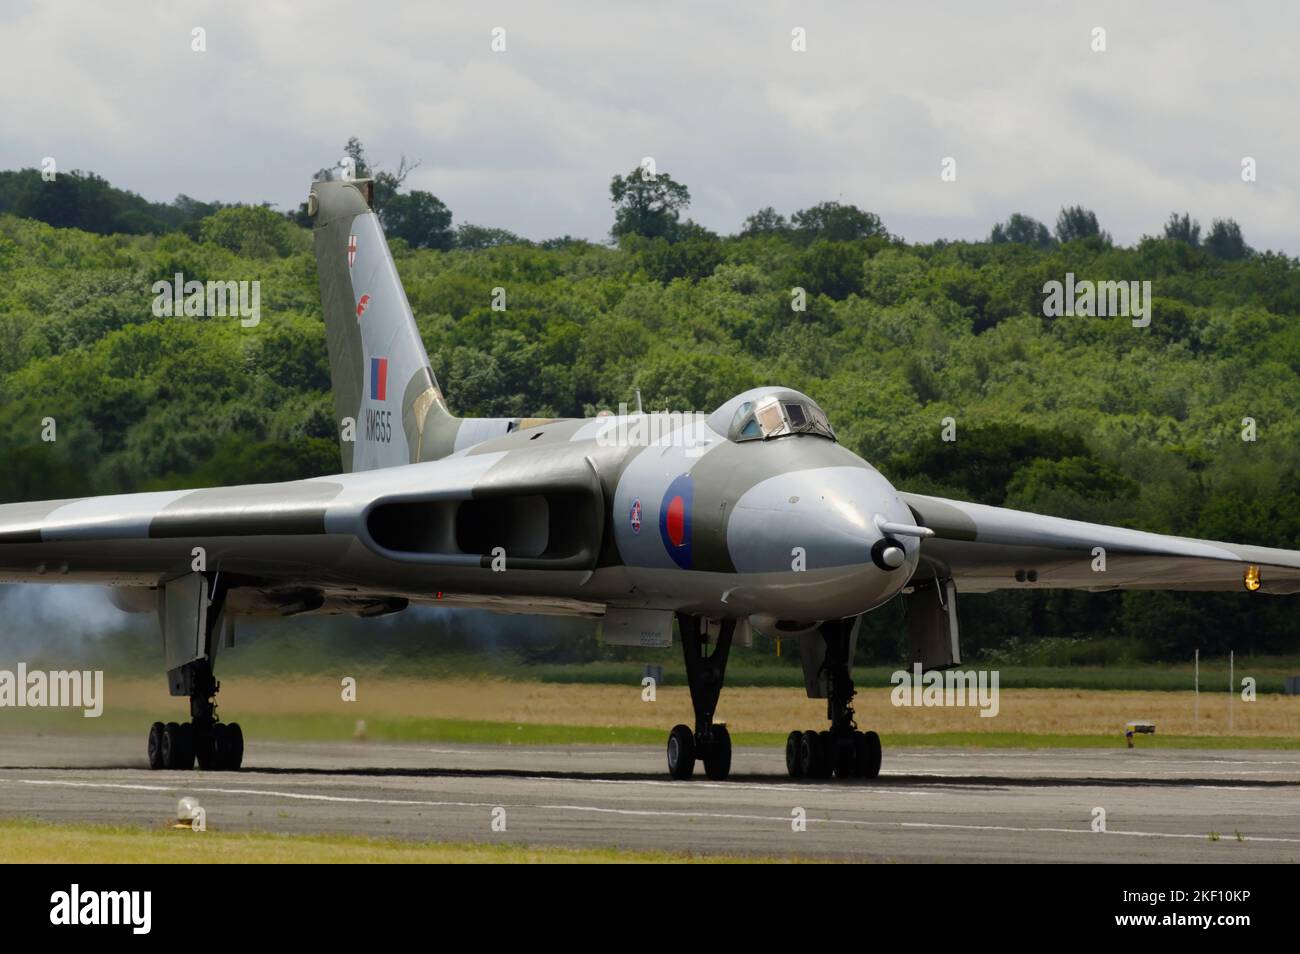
point(709, 742)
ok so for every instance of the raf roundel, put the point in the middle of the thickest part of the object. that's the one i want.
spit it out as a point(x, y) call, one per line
point(675, 520)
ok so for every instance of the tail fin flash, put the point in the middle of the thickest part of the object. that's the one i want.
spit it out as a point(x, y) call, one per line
point(387, 402)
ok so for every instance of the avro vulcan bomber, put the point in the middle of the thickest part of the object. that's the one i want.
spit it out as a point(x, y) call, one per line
point(750, 517)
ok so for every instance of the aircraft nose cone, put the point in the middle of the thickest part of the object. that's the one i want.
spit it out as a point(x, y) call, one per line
point(825, 523)
point(820, 543)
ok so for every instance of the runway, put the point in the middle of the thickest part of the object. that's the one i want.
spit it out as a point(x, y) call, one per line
point(932, 805)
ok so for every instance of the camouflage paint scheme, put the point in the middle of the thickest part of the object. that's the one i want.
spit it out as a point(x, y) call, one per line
point(697, 521)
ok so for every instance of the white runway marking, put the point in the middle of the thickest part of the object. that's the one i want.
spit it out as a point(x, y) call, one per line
point(734, 786)
point(1089, 831)
point(1110, 775)
point(604, 810)
point(256, 791)
point(425, 803)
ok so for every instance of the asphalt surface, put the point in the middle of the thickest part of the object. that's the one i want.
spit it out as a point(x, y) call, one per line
point(932, 805)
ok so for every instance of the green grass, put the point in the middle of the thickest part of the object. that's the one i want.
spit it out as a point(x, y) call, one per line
point(1018, 740)
point(328, 727)
point(748, 667)
point(25, 841)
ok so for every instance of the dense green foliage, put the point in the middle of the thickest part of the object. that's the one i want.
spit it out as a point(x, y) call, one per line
point(1080, 417)
point(86, 201)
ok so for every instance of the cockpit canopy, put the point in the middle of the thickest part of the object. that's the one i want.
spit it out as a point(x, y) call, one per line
point(770, 412)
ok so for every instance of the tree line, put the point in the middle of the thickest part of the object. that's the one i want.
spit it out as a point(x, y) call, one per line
point(1085, 418)
point(647, 204)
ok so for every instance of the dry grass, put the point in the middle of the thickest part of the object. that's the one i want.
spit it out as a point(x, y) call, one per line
point(746, 709)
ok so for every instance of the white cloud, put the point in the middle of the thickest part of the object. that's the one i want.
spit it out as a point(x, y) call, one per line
point(528, 139)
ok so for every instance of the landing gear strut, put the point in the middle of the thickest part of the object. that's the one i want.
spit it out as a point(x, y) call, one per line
point(709, 741)
point(843, 750)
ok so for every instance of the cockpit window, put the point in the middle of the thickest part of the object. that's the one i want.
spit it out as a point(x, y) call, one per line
point(742, 424)
point(773, 417)
point(820, 423)
point(770, 419)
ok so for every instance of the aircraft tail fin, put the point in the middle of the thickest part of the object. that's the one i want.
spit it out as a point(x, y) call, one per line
point(387, 403)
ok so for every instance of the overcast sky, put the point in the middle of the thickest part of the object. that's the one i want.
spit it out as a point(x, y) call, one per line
point(527, 139)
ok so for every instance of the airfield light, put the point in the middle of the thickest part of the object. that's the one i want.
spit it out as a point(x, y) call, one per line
point(1252, 580)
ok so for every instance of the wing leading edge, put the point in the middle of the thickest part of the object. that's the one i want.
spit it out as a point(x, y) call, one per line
point(308, 531)
point(986, 548)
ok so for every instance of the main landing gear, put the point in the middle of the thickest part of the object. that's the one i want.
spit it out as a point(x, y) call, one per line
point(709, 741)
point(191, 605)
point(214, 745)
point(843, 750)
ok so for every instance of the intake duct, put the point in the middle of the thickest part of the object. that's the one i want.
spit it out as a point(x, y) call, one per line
point(553, 522)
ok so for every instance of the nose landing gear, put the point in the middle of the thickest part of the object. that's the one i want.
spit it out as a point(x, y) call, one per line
point(709, 741)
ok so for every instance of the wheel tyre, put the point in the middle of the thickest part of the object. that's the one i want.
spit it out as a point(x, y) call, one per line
point(828, 754)
point(171, 746)
point(717, 754)
point(810, 754)
point(220, 747)
point(859, 757)
point(845, 755)
point(205, 751)
point(236, 747)
point(868, 754)
point(185, 757)
point(681, 752)
point(793, 764)
point(155, 746)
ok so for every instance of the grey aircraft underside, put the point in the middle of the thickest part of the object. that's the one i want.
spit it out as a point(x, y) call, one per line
point(753, 516)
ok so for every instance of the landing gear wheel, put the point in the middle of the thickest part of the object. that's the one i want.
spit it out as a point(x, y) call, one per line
point(205, 751)
point(717, 754)
point(236, 735)
point(812, 756)
point(867, 752)
point(844, 755)
point(172, 746)
point(681, 752)
point(186, 754)
point(221, 746)
point(793, 766)
point(827, 754)
point(155, 746)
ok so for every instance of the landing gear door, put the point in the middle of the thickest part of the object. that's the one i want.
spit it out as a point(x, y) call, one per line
point(183, 613)
point(932, 633)
point(812, 656)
